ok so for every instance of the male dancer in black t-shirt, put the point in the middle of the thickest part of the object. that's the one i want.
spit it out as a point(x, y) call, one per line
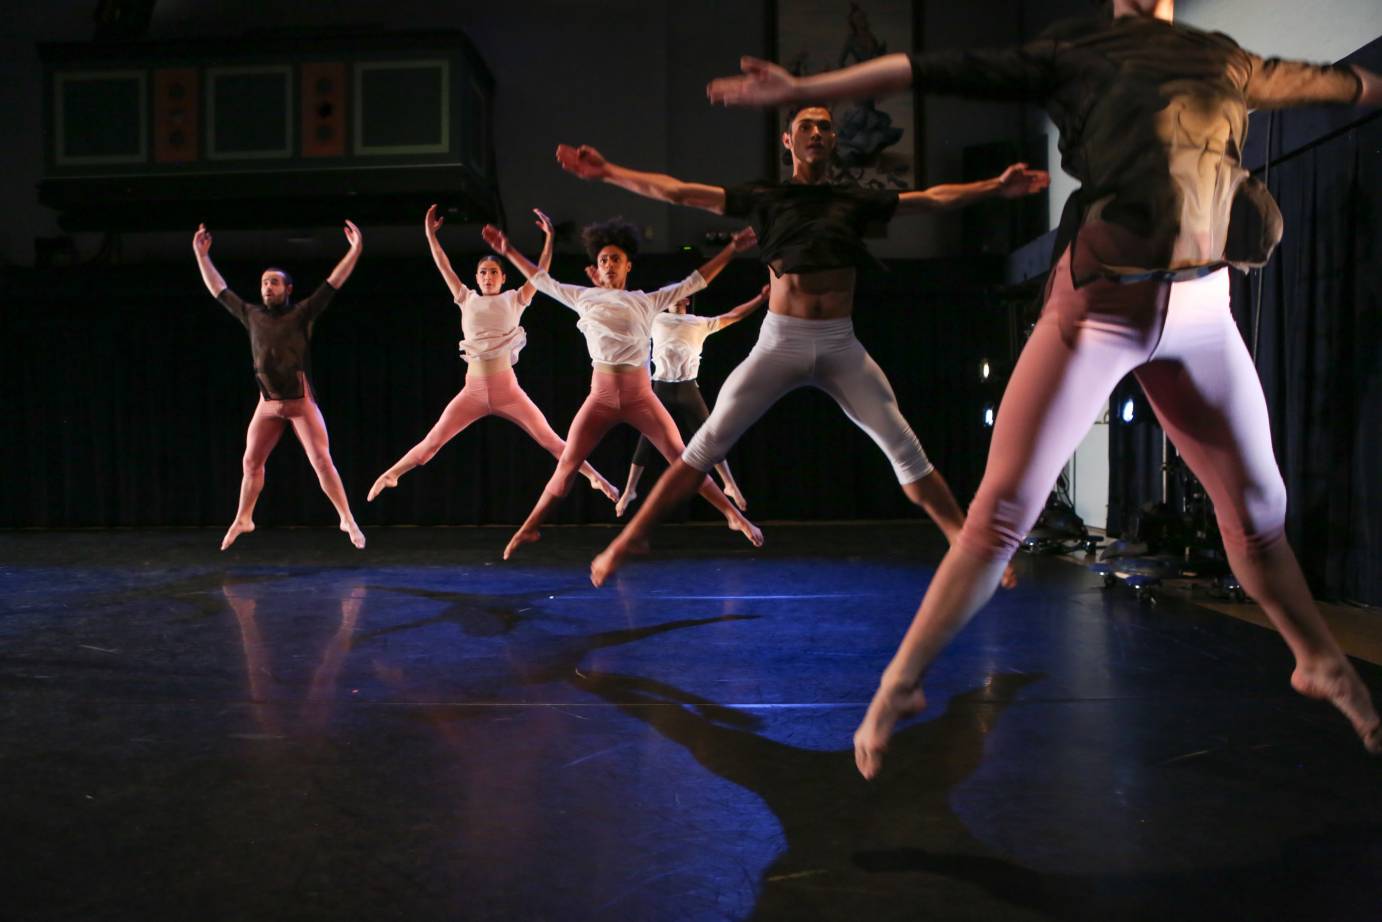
point(811, 236)
point(280, 330)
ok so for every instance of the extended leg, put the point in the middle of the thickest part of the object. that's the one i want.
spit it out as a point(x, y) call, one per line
point(595, 418)
point(310, 428)
point(518, 408)
point(264, 432)
point(1209, 400)
point(465, 408)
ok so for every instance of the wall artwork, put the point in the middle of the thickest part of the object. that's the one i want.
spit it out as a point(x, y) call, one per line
point(877, 138)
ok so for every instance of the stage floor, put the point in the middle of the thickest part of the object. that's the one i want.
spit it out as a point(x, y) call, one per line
point(296, 730)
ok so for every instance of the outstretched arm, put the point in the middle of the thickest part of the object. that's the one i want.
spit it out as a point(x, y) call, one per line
point(1371, 94)
point(201, 248)
point(741, 241)
point(338, 275)
point(453, 281)
point(734, 315)
point(764, 83)
point(1015, 182)
point(544, 260)
point(588, 163)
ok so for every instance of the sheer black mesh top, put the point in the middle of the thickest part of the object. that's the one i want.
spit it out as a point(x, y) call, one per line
point(805, 228)
point(279, 339)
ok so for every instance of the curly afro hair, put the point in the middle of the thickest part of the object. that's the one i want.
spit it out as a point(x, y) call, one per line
point(614, 232)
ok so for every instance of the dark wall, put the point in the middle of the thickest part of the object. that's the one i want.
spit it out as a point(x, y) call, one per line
point(136, 391)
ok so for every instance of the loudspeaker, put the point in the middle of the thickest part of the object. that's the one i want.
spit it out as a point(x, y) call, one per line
point(323, 109)
point(176, 111)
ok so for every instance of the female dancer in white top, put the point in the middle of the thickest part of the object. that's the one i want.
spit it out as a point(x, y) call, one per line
point(678, 338)
point(493, 338)
point(617, 326)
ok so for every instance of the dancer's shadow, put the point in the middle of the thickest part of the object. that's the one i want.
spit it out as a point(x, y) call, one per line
point(476, 614)
point(835, 823)
point(894, 847)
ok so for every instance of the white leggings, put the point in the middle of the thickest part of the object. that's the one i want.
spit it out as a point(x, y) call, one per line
point(790, 353)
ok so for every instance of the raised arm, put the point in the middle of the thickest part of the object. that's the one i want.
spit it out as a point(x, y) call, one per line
point(588, 163)
point(430, 223)
point(736, 314)
point(764, 83)
point(741, 241)
point(201, 248)
point(544, 260)
point(338, 275)
point(1015, 182)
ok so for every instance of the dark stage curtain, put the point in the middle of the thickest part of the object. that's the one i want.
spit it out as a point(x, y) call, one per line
point(1320, 352)
point(130, 389)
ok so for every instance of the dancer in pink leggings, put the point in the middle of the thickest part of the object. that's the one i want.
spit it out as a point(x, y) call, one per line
point(493, 339)
point(1152, 117)
point(617, 326)
point(280, 330)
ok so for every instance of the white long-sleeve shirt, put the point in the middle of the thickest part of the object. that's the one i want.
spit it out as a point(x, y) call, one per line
point(617, 324)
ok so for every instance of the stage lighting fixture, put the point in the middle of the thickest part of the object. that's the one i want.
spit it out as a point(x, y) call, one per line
point(984, 370)
point(988, 416)
point(1128, 412)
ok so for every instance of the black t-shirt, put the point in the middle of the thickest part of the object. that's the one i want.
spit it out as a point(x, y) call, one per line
point(279, 338)
point(806, 228)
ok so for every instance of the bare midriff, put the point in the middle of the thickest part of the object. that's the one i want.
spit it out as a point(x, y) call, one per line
point(607, 368)
point(827, 294)
point(482, 367)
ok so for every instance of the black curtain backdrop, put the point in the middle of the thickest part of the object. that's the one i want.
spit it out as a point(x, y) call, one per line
point(1320, 351)
point(131, 389)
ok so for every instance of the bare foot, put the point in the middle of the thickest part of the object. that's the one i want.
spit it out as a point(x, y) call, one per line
point(357, 537)
point(612, 558)
point(237, 528)
point(604, 486)
point(737, 498)
point(520, 537)
point(747, 529)
point(889, 705)
point(385, 482)
point(1337, 683)
point(1009, 579)
point(624, 502)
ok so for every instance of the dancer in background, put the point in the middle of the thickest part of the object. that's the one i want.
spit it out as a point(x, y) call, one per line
point(280, 333)
point(678, 338)
point(1152, 117)
point(617, 325)
point(811, 234)
point(493, 339)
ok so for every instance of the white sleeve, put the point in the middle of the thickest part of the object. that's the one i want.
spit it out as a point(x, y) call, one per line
point(567, 294)
point(664, 298)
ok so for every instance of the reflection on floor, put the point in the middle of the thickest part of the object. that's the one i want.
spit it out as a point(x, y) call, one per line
point(294, 730)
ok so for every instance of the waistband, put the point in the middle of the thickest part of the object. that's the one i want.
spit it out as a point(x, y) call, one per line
point(783, 325)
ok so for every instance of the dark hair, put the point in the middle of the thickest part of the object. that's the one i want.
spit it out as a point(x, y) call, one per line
point(287, 279)
point(490, 258)
point(614, 232)
point(793, 112)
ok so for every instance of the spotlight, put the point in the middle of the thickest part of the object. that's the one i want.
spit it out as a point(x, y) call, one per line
point(984, 370)
point(988, 416)
point(1128, 412)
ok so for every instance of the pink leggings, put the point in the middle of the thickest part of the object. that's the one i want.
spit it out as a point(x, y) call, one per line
point(487, 395)
point(1181, 341)
point(626, 398)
